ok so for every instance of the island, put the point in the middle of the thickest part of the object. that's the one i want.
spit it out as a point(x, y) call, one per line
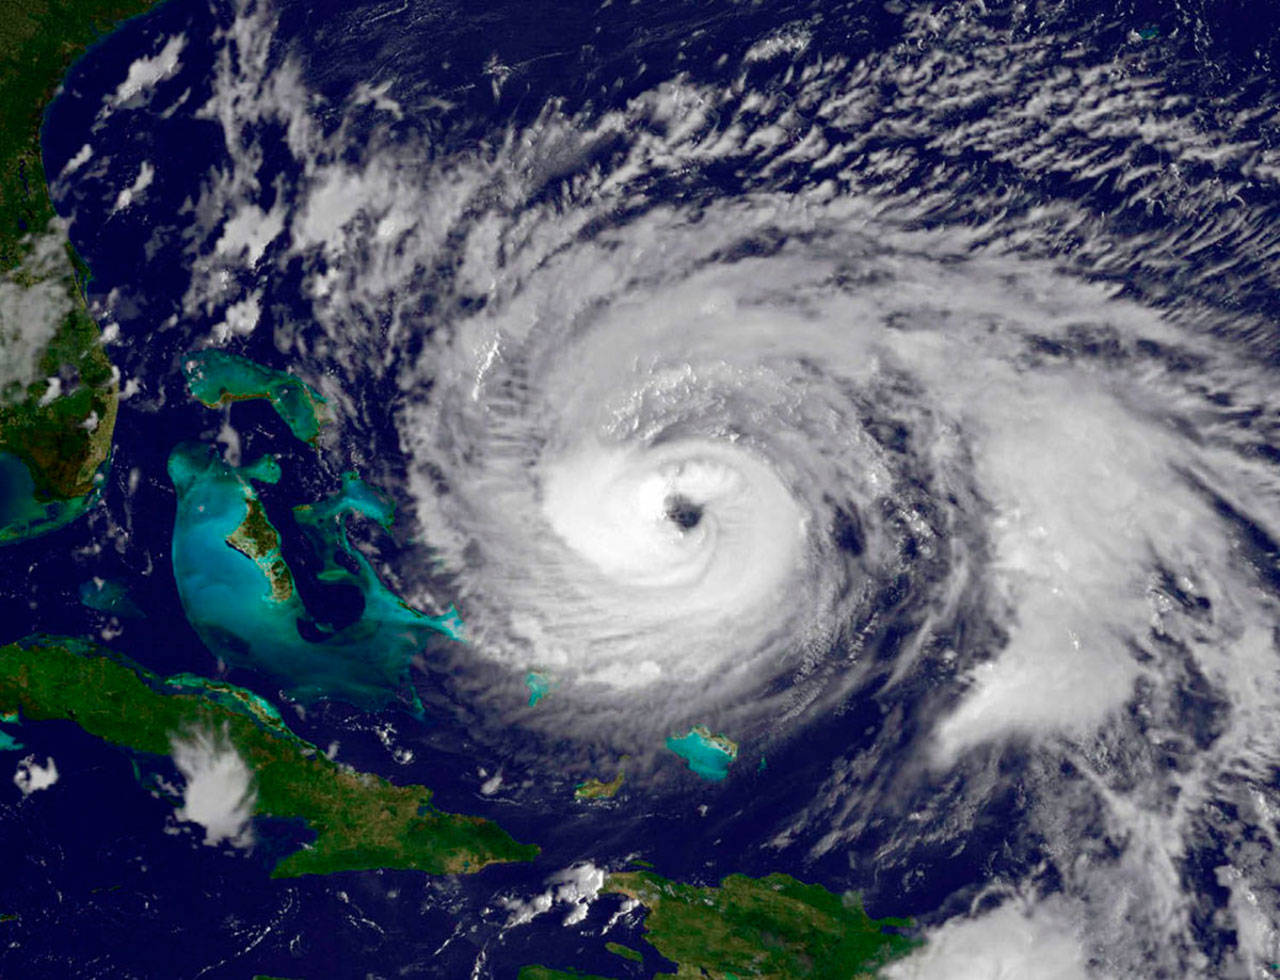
point(239, 594)
point(58, 390)
point(774, 927)
point(626, 952)
point(595, 789)
point(360, 820)
point(539, 684)
point(217, 378)
point(546, 973)
point(707, 755)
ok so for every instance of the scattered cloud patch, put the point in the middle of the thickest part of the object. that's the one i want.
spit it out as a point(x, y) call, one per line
point(575, 887)
point(32, 777)
point(376, 96)
point(146, 73)
point(127, 196)
point(240, 319)
point(79, 160)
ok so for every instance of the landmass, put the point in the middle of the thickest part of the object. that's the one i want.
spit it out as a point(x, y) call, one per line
point(239, 594)
point(626, 952)
point(58, 391)
point(707, 755)
point(360, 820)
point(774, 927)
point(8, 917)
point(595, 789)
point(217, 378)
point(546, 973)
point(539, 685)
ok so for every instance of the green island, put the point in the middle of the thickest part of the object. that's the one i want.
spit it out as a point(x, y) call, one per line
point(626, 952)
point(361, 821)
point(707, 755)
point(58, 392)
point(774, 927)
point(8, 917)
point(596, 789)
point(546, 973)
point(217, 378)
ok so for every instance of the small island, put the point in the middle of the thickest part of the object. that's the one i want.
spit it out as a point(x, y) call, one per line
point(538, 684)
point(217, 378)
point(360, 820)
point(707, 755)
point(595, 789)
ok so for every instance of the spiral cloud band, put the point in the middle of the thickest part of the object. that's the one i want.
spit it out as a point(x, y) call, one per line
point(718, 406)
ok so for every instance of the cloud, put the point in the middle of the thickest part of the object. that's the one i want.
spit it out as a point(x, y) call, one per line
point(31, 777)
point(146, 73)
point(219, 793)
point(128, 195)
point(576, 887)
point(1007, 944)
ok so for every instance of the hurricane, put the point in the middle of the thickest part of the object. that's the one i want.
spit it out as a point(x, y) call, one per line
point(916, 401)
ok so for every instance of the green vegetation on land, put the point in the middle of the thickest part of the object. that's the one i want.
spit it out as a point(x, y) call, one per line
point(216, 378)
point(774, 927)
point(39, 40)
point(8, 918)
point(360, 820)
point(546, 973)
point(596, 789)
point(626, 952)
point(53, 440)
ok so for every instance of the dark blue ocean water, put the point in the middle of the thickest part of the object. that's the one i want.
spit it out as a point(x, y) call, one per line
point(103, 882)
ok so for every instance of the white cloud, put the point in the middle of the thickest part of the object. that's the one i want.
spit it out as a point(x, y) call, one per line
point(126, 197)
point(492, 784)
point(31, 777)
point(219, 793)
point(1010, 943)
point(249, 231)
point(79, 160)
point(146, 73)
point(576, 887)
point(240, 319)
point(33, 302)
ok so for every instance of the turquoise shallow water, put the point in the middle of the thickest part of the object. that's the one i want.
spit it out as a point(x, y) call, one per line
point(109, 596)
point(214, 377)
point(538, 685)
point(702, 754)
point(230, 600)
point(21, 515)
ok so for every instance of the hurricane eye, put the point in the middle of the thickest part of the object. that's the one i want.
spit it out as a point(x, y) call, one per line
point(684, 513)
